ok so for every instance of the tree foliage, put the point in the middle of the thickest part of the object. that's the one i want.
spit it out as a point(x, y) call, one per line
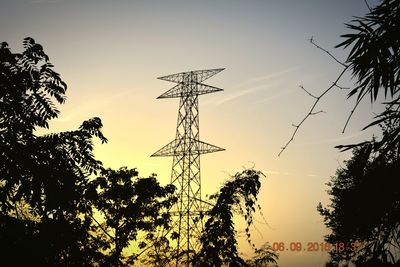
point(365, 207)
point(218, 242)
point(60, 207)
point(365, 192)
point(375, 64)
point(42, 178)
point(375, 48)
point(127, 205)
point(264, 256)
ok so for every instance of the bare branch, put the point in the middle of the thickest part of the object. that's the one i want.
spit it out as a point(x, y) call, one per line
point(302, 87)
point(101, 227)
point(341, 87)
point(311, 112)
point(317, 112)
point(352, 111)
point(326, 51)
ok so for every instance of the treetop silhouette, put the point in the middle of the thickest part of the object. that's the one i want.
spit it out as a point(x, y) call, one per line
point(60, 207)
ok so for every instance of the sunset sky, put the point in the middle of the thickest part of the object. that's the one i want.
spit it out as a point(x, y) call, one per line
point(111, 52)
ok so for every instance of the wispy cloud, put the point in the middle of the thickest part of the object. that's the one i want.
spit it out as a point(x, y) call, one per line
point(241, 93)
point(256, 84)
point(274, 96)
point(272, 75)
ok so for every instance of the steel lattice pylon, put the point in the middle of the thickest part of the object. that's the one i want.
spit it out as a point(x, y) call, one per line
point(186, 149)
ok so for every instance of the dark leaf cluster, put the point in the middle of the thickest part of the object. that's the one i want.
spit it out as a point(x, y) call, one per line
point(128, 204)
point(375, 63)
point(218, 242)
point(42, 178)
point(375, 49)
point(365, 206)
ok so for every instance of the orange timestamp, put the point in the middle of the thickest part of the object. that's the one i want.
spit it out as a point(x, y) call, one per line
point(316, 246)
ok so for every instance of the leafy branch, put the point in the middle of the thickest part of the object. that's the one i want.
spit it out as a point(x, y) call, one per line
point(218, 243)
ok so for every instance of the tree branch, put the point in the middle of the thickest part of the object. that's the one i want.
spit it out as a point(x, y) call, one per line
point(302, 87)
point(352, 111)
point(311, 112)
point(317, 112)
point(101, 227)
point(326, 51)
point(341, 87)
point(317, 98)
point(369, 7)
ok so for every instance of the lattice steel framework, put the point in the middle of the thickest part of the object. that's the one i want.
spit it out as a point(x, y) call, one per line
point(186, 149)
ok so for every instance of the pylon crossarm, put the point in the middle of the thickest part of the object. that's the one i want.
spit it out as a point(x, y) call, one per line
point(207, 148)
point(181, 90)
point(173, 148)
point(200, 75)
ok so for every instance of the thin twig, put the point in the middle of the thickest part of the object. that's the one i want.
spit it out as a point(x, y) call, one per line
point(369, 7)
point(352, 111)
point(317, 98)
point(259, 232)
point(342, 87)
point(311, 112)
point(101, 227)
point(302, 87)
point(326, 51)
point(317, 112)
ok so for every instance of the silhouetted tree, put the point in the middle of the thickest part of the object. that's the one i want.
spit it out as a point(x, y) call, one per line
point(218, 242)
point(364, 213)
point(44, 216)
point(159, 252)
point(127, 205)
point(365, 194)
point(374, 62)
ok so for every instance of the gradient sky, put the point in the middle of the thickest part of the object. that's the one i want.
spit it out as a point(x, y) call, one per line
point(110, 53)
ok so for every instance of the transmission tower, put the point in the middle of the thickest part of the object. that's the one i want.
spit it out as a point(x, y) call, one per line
point(186, 149)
